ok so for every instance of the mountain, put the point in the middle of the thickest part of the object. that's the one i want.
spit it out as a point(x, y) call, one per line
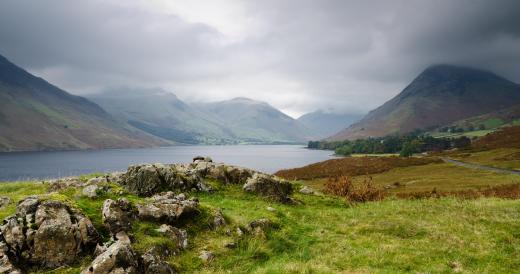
point(492, 120)
point(440, 95)
point(324, 124)
point(257, 122)
point(162, 114)
point(35, 115)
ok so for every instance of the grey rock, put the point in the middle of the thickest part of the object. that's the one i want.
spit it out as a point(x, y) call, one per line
point(6, 266)
point(153, 264)
point(166, 207)
point(48, 233)
point(307, 190)
point(90, 191)
point(179, 236)
point(118, 215)
point(207, 256)
point(63, 183)
point(230, 245)
point(118, 258)
point(97, 181)
point(269, 186)
point(147, 180)
point(4, 201)
point(218, 219)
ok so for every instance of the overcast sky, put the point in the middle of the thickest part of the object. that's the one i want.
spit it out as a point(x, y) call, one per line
point(346, 56)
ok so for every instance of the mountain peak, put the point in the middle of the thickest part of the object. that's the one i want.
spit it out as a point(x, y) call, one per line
point(442, 72)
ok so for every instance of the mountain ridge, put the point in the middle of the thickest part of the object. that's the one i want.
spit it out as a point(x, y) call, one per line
point(441, 94)
point(36, 115)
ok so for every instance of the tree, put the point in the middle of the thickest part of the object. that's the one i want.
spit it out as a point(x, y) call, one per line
point(345, 150)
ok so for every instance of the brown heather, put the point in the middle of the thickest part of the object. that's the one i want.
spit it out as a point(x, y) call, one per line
point(352, 166)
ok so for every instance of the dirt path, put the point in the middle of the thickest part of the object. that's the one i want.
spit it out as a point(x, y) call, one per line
point(481, 167)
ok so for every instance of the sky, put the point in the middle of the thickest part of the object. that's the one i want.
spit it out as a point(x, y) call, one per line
point(298, 55)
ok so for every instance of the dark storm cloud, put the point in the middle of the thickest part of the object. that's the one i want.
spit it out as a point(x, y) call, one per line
point(298, 55)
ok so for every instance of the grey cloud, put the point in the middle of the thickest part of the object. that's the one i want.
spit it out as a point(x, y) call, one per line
point(302, 55)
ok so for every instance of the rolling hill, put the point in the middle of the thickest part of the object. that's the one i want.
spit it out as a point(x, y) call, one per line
point(324, 124)
point(257, 122)
point(162, 114)
point(440, 95)
point(35, 115)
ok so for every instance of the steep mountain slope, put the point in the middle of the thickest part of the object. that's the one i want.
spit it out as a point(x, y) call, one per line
point(324, 124)
point(257, 122)
point(35, 115)
point(162, 114)
point(440, 95)
point(491, 120)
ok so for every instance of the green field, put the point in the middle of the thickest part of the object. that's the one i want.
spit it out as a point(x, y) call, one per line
point(327, 235)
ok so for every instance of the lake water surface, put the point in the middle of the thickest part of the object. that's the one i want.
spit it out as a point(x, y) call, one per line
point(43, 165)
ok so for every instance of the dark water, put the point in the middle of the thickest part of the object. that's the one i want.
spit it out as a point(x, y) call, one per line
point(42, 165)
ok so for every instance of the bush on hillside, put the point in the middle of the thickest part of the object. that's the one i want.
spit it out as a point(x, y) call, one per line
point(354, 192)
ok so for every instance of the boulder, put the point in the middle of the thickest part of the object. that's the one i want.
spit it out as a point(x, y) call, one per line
point(270, 186)
point(147, 180)
point(167, 207)
point(118, 215)
point(118, 258)
point(229, 174)
point(153, 264)
point(179, 236)
point(91, 191)
point(47, 233)
point(4, 201)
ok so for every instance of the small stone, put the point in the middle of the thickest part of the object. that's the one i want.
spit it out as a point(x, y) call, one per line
point(4, 201)
point(272, 209)
point(230, 245)
point(239, 232)
point(206, 256)
point(307, 190)
point(218, 220)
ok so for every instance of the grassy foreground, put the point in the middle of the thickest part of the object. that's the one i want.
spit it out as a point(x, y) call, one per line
point(327, 235)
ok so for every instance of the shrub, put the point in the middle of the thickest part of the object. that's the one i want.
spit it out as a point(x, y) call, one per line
point(343, 150)
point(354, 192)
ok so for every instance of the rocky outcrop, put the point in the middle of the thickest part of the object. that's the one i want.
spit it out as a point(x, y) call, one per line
point(63, 183)
point(47, 233)
point(146, 180)
point(167, 207)
point(118, 258)
point(269, 186)
point(118, 215)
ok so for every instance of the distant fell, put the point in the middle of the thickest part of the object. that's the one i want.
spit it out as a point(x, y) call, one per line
point(323, 124)
point(440, 95)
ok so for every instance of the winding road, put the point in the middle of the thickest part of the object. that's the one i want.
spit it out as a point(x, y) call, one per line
point(481, 167)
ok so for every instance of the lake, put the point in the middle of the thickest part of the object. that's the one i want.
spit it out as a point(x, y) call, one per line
point(19, 166)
